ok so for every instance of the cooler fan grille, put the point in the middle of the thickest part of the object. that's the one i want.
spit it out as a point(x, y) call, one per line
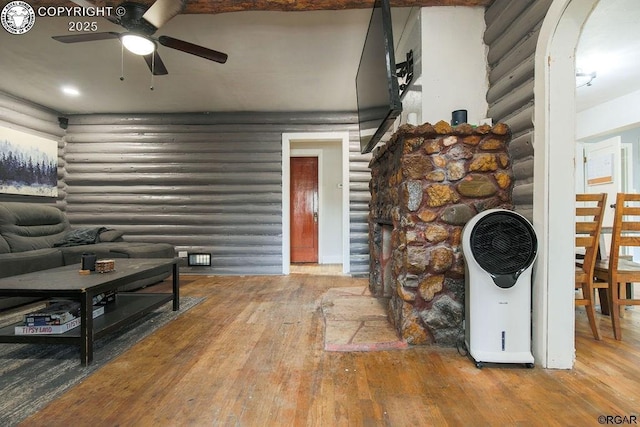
point(503, 243)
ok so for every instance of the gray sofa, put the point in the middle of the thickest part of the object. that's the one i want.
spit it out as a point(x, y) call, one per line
point(36, 237)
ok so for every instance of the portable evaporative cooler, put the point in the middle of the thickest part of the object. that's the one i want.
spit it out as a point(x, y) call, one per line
point(499, 247)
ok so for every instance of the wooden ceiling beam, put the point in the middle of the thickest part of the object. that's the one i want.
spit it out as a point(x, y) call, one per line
point(223, 6)
point(199, 6)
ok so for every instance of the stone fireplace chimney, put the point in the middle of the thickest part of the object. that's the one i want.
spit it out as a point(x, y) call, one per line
point(426, 183)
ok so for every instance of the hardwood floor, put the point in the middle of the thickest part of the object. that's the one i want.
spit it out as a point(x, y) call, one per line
point(251, 355)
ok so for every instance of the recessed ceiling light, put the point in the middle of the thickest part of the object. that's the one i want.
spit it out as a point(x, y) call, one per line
point(70, 91)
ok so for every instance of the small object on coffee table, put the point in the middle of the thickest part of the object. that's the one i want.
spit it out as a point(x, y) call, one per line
point(84, 272)
point(88, 261)
point(105, 265)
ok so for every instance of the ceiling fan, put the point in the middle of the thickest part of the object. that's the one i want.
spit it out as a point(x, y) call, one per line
point(141, 22)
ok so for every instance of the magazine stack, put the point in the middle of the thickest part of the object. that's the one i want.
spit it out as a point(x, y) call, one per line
point(58, 317)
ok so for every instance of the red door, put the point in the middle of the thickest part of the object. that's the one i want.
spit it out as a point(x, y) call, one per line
point(304, 209)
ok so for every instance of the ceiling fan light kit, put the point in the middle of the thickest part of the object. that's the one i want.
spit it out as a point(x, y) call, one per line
point(136, 44)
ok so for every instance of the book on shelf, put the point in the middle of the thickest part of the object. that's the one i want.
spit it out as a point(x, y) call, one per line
point(58, 312)
point(105, 298)
point(56, 329)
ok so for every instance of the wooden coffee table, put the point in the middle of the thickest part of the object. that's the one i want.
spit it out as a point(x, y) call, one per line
point(66, 282)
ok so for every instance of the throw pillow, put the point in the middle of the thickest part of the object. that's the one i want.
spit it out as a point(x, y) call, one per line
point(111, 236)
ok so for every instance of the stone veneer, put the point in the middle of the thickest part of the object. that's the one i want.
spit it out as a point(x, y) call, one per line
point(426, 183)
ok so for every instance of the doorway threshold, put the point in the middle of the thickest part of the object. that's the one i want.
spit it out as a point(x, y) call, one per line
point(314, 269)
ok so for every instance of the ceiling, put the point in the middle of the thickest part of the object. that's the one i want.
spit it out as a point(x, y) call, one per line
point(610, 46)
point(278, 61)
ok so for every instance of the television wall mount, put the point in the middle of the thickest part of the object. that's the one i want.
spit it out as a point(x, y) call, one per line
point(404, 71)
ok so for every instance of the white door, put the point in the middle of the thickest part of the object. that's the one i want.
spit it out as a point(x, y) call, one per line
point(603, 173)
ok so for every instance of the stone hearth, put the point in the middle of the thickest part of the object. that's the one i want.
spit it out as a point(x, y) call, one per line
point(426, 183)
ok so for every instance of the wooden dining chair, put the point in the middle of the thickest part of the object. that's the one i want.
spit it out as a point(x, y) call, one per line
point(618, 270)
point(589, 213)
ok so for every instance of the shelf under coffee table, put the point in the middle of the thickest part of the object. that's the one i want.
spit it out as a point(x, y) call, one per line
point(66, 282)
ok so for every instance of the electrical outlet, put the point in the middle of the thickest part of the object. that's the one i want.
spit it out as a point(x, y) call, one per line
point(182, 254)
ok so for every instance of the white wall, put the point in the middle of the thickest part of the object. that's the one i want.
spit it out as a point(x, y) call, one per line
point(454, 63)
point(615, 115)
point(450, 63)
point(409, 38)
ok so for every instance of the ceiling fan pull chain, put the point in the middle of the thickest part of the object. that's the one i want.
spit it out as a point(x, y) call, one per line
point(153, 66)
point(121, 62)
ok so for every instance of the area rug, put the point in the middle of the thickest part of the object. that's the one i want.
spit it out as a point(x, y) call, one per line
point(32, 375)
point(356, 321)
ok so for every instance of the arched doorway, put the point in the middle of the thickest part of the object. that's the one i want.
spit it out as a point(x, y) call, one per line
point(554, 175)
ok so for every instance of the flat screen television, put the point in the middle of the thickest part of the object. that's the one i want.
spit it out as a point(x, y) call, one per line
point(376, 81)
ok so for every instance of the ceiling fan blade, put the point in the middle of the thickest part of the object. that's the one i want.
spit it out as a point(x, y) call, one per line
point(155, 64)
point(84, 3)
point(162, 11)
point(86, 37)
point(193, 49)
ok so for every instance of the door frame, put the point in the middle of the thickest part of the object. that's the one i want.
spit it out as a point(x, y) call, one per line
point(287, 139)
point(553, 311)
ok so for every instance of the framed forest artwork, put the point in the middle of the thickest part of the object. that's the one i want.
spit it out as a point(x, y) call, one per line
point(28, 164)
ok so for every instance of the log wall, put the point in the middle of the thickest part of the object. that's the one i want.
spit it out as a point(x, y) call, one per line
point(202, 182)
point(511, 35)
